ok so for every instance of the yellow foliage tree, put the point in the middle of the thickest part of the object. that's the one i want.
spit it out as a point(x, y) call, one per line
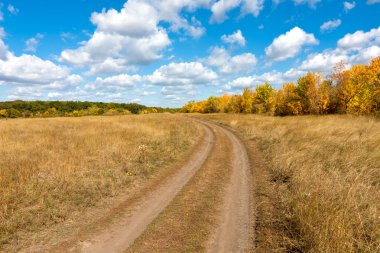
point(247, 100)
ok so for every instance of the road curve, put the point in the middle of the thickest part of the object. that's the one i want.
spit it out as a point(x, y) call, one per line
point(233, 233)
point(128, 229)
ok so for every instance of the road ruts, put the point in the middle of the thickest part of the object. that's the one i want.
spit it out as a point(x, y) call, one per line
point(119, 238)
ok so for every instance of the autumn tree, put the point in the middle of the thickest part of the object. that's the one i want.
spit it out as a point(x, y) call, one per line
point(307, 91)
point(288, 101)
point(247, 100)
point(236, 102)
point(374, 68)
point(225, 103)
point(211, 105)
point(264, 99)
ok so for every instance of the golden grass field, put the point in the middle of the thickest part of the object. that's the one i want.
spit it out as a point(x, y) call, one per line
point(53, 169)
point(324, 175)
point(316, 178)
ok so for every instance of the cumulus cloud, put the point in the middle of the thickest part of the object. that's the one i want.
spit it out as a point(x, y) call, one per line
point(235, 38)
point(179, 90)
point(360, 39)
point(323, 61)
point(373, 1)
point(133, 35)
point(183, 73)
point(222, 7)
point(115, 83)
point(228, 64)
point(354, 48)
point(289, 44)
point(109, 66)
point(349, 6)
point(365, 55)
point(30, 69)
point(253, 7)
point(330, 25)
point(274, 77)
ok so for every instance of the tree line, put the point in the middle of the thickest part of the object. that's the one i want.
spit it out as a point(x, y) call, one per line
point(354, 90)
point(16, 109)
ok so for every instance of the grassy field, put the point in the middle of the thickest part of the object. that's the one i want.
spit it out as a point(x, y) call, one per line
point(318, 186)
point(54, 169)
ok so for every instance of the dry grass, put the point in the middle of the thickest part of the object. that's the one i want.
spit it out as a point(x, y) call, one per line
point(325, 172)
point(51, 169)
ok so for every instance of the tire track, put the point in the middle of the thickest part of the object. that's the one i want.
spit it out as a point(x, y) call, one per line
point(234, 233)
point(120, 236)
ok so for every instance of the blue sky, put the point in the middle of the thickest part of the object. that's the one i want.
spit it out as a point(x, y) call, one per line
point(168, 52)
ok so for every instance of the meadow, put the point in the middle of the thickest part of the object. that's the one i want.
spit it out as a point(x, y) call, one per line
point(53, 170)
point(318, 186)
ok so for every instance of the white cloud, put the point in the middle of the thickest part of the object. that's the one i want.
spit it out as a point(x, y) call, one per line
point(13, 10)
point(147, 93)
point(179, 90)
point(323, 61)
point(26, 93)
point(134, 34)
point(356, 48)
point(312, 3)
point(54, 95)
point(55, 90)
point(170, 11)
point(373, 1)
point(228, 64)
point(31, 75)
point(109, 66)
point(102, 45)
point(222, 7)
point(253, 7)
point(183, 73)
point(32, 43)
point(360, 39)
point(235, 38)
point(136, 100)
point(289, 44)
point(118, 82)
point(30, 69)
point(274, 78)
point(330, 25)
point(365, 55)
point(349, 6)
point(131, 34)
point(137, 19)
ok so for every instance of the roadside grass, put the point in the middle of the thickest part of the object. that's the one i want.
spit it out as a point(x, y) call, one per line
point(54, 169)
point(187, 223)
point(323, 177)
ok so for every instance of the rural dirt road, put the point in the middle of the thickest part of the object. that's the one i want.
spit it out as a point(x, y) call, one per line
point(233, 231)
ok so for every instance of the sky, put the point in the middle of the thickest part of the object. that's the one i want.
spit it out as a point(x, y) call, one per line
point(168, 52)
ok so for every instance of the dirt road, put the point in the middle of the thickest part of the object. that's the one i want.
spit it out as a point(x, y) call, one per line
point(231, 229)
point(234, 232)
point(121, 236)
